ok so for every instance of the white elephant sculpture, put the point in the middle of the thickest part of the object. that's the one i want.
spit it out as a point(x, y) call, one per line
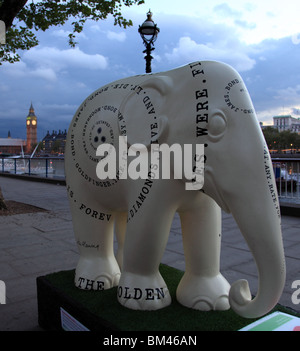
point(201, 103)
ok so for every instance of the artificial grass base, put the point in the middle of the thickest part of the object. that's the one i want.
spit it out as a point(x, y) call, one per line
point(100, 311)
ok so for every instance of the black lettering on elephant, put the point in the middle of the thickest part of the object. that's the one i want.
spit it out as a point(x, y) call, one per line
point(148, 104)
point(72, 142)
point(270, 180)
point(202, 101)
point(137, 293)
point(137, 89)
point(201, 131)
point(196, 70)
point(89, 284)
point(140, 199)
point(201, 116)
point(89, 179)
point(94, 214)
point(233, 88)
point(120, 86)
point(87, 245)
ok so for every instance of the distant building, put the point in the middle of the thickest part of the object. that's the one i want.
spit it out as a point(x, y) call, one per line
point(286, 122)
point(55, 142)
point(10, 146)
point(31, 130)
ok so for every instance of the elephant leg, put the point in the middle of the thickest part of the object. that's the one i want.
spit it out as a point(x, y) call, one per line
point(141, 286)
point(203, 287)
point(97, 268)
point(120, 230)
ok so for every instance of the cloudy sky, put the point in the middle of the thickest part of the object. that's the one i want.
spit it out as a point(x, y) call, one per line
point(261, 39)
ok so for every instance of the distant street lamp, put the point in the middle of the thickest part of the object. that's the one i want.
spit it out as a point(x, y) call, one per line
point(148, 31)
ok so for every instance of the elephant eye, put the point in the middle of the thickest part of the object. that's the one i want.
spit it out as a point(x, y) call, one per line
point(217, 125)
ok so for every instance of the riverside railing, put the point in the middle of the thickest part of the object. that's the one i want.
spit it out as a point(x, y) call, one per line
point(286, 170)
point(287, 174)
point(47, 167)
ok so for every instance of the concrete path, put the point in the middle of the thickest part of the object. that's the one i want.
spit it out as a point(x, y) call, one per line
point(36, 244)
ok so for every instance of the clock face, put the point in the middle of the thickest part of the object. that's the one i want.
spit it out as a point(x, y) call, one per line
point(28, 122)
point(33, 122)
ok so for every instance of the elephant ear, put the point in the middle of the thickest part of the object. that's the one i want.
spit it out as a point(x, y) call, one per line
point(142, 119)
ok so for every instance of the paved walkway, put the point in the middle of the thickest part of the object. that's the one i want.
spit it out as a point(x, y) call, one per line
point(36, 244)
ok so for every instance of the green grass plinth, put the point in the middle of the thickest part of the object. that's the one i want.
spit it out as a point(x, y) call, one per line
point(105, 307)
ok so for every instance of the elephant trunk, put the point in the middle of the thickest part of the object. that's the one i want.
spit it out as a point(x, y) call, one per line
point(258, 218)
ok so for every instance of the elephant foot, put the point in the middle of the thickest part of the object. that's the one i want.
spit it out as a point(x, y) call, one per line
point(204, 293)
point(146, 293)
point(97, 273)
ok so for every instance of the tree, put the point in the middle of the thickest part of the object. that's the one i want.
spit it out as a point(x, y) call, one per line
point(281, 140)
point(289, 140)
point(21, 18)
point(272, 137)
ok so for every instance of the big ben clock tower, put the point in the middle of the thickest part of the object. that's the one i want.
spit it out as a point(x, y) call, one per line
point(31, 128)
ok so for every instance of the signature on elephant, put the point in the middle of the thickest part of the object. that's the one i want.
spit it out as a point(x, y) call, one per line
point(203, 103)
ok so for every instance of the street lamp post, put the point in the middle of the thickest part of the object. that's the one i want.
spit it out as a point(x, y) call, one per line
point(148, 31)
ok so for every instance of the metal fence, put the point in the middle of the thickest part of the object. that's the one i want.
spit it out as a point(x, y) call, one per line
point(286, 170)
point(40, 167)
point(287, 174)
